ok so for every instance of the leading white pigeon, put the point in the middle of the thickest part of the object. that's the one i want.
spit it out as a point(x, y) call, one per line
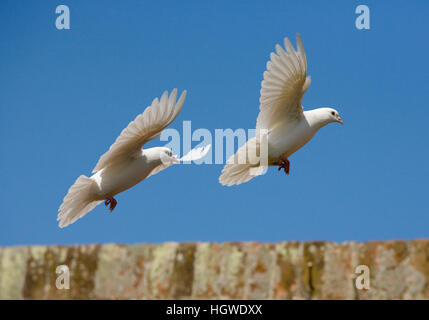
point(125, 164)
point(282, 123)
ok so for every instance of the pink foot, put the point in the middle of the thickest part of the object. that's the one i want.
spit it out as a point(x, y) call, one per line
point(110, 200)
point(284, 164)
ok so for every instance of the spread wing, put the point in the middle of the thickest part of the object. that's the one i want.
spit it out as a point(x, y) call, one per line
point(285, 82)
point(145, 127)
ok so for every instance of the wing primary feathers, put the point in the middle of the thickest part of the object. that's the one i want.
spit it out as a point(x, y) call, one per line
point(284, 84)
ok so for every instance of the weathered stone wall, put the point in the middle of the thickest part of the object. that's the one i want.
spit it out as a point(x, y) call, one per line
point(285, 270)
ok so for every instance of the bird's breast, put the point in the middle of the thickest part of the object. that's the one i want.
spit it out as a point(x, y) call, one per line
point(286, 139)
point(120, 177)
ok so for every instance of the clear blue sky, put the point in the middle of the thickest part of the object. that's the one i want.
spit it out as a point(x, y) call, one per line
point(66, 95)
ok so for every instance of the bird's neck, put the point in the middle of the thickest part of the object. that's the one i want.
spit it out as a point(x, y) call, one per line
point(316, 119)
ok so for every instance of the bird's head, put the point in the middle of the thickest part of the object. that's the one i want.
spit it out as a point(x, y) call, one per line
point(166, 155)
point(331, 115)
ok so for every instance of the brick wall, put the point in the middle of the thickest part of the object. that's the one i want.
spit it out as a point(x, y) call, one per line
point(243, 270)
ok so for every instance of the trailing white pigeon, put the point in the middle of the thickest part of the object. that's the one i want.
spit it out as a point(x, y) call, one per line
point(125, 164)
point(282, 126)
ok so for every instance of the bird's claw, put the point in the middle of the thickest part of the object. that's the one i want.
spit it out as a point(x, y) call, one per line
point(284, 164)
point(110, 201)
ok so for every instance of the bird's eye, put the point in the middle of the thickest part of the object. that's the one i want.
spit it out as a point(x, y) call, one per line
point(333, 113)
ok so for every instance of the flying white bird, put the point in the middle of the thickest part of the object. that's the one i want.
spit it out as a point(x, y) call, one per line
point(125, 164)
point(282, 126)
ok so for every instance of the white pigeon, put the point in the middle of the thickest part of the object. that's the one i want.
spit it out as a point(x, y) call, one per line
point(125, 164)
point(282, 121)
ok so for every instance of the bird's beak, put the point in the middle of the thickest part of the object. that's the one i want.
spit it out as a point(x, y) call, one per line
point(340, 121)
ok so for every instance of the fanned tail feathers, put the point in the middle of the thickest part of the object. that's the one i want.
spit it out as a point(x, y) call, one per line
point(78, 201)
point(242, 166)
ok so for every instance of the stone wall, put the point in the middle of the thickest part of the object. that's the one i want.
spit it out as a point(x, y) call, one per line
point(247, 270)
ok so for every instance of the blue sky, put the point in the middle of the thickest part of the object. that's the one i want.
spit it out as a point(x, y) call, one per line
point(66, 95)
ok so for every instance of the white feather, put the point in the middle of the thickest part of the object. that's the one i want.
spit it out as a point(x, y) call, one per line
point(80, 199)
point(196, 153)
